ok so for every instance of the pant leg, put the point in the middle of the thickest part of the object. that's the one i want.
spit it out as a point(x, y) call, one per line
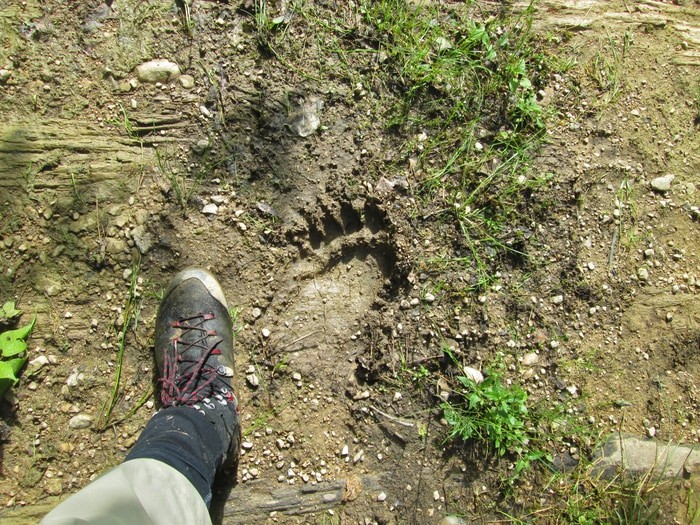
point(137, 492)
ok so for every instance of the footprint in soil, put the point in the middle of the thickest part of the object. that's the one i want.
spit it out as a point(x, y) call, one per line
point(347, 260)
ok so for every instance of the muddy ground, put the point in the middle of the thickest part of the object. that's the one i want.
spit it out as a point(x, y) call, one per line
point(343, 314)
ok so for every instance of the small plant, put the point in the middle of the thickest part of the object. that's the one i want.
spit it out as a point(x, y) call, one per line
point(13, 348)
point(130, 320)
point(493, 414)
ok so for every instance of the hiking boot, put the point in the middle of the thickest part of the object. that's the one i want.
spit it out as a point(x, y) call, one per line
point(194, 353)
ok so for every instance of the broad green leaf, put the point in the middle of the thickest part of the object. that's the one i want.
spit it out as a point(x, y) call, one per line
point(9, 311)
point(16, 364)
point(7, 371)
point(13, 342)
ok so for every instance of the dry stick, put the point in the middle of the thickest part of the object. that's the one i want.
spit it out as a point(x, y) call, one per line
point(299, 339)
point(613, 244)
point(393, 418)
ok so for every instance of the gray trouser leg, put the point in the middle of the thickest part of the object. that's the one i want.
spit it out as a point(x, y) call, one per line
point(137, 492)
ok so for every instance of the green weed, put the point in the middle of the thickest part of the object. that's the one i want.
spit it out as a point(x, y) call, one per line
point(582, 497)
point(185, 10)
point(606, 67)
point(13, 347)
point(131, 316)
point(468, 112)
point(495, 415)
point(181, 186)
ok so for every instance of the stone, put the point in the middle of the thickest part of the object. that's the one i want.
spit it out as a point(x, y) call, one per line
point(639, 456)
point(452, 520)
point(5, 75)
point(80, 421)
point(157, 71)
point(201, 146)
point(114, 245)
point(530, 359)
point(53, 487)
point(143, 239)
point(252, 380)
point(306, 120)
point(473, 374)
point(186, 81)
point(662, 184)
point(210, 209)
point(643, 274)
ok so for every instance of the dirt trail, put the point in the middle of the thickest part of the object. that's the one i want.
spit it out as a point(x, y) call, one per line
point(327, 266)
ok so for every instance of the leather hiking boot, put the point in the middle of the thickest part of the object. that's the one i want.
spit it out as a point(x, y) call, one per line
point(194, 353)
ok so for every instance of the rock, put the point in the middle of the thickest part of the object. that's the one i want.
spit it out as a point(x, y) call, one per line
point(252, 380)
point(80, 421)
point(157, 71)
point(142, 238)
point(114, 245)
point(186, 81)
point(381, 496)
point(452, 520)
point(473, 374)
point(210, 209)
point(75, 378)
point(53, 487)
point(305, 121)
point(662, 184)
point(557, 299)
point(385, 185)
point(36, 364)
point(201, 146)
point(638, 456)
point(643, 274)
point(5, 75)
point(429, 298)
point(530, 359)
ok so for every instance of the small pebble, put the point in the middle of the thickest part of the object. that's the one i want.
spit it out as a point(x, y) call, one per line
point(210, 209)
point(80, 421)
point(473, 374)
point(662, 184)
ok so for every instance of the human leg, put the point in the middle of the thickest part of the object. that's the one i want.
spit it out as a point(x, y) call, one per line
point(197, 430)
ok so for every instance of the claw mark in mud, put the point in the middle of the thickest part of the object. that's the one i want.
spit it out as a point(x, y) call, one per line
point(347, 261)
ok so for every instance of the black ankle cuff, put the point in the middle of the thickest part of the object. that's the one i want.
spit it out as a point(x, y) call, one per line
point(185, 439)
